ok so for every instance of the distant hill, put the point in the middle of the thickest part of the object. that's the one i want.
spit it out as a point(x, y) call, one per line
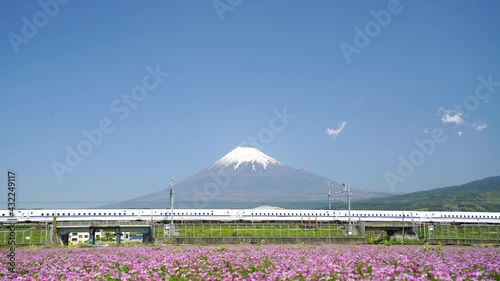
point(481, 195)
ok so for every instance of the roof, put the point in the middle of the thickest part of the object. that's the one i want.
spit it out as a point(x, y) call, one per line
point(267, 207)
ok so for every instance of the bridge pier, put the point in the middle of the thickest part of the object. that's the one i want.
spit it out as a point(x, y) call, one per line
point(118, 235)
point(92, 235)
point(65, 239)
point(148, 237)
point(361, 229)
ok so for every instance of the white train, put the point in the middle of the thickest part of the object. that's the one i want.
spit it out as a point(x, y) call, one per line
point(186, 215)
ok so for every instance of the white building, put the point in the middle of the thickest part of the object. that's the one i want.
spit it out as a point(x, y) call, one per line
point(76, 238)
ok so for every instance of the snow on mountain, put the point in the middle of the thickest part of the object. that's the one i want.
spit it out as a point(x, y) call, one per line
point(245, 155)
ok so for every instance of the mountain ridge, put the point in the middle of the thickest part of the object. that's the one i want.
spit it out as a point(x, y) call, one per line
point(479, 195)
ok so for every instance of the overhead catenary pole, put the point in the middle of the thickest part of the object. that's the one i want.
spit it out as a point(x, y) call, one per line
point(172, 192)
point(347, 188)
point(329, 195)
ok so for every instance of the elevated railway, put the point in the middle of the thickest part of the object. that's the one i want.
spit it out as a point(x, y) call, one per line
point(322, 225)
point(247, 215)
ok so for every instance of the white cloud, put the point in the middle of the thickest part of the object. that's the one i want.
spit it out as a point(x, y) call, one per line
point(479, 127)
point(336, 132)
point(426, 131)
point(451, 116)
point(460, 133)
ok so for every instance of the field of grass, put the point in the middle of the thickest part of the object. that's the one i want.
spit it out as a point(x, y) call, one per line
point(24, 235)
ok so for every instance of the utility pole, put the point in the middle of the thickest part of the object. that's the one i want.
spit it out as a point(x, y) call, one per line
point(172, 192)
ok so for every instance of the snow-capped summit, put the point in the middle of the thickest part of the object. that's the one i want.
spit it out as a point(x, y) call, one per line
point(246, 155)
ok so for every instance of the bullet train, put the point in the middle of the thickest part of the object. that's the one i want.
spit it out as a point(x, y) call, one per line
point(245, 215)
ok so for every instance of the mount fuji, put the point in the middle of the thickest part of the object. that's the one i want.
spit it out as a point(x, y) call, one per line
point(244, 178)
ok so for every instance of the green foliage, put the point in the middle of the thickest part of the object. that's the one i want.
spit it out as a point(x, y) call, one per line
point(439, 248)
point(477, 196)
point(221, 250)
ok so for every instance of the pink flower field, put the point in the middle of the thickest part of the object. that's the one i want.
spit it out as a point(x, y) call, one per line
point(304, 262)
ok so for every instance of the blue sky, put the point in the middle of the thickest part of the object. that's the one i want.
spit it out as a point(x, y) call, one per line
point(229, 71)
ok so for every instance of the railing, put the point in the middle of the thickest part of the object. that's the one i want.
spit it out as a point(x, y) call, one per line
point(290, 230)
point(102, 223)
point(465, 231)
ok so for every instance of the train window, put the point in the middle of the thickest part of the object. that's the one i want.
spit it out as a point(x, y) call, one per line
point(52, 213)
point(114, 214)
point(99, 214)
point(64, 214)
point(42, 214)
point(132, 214)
